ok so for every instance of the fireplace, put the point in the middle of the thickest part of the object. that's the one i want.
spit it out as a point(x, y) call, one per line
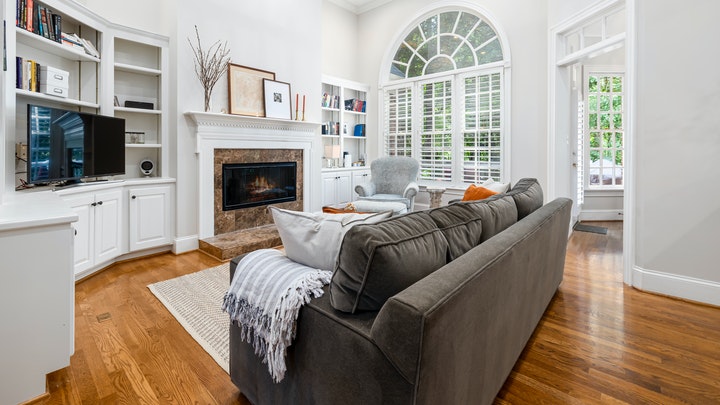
point(247, 185)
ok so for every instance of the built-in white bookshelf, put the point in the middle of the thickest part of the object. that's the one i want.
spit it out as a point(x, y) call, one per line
point(343, 109)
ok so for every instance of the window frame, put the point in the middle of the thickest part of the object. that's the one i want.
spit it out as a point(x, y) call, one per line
point(590, 70)
point(503, 66)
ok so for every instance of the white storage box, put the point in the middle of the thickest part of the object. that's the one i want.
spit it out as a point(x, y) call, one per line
point(54, 90)
point(54, 81)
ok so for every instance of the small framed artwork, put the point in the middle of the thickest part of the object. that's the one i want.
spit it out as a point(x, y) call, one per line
point(245, 90)
point(277, 99)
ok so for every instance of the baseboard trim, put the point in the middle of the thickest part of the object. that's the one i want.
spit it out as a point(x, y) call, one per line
point(186, 244)
point(600, 215)
point(689, 288)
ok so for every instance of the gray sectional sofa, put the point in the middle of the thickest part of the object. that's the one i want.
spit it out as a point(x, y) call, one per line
point(431, 307)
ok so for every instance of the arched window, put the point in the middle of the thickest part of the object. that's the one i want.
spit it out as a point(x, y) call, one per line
point(444, 97)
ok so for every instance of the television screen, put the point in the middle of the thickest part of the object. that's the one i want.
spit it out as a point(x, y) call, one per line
point(68, 145)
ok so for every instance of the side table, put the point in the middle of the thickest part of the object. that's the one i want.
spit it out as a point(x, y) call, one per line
point(435, 196)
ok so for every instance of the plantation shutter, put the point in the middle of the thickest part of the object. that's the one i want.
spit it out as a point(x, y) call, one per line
point(482, 127)
point(436, 146)
point(398, 121)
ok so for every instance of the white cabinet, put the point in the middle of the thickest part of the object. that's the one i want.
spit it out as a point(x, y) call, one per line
point(359, 177)
point(336, 187)
point(98, 231)
point(151, 213)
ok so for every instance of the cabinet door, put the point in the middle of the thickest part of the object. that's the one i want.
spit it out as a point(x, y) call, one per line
point(359, 177)
point(151, 216)
point(108, 225)
point(83, 247)
point(344, 187)
point(329, 189)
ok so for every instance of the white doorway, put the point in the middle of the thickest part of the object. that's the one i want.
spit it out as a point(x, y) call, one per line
point(594, 37)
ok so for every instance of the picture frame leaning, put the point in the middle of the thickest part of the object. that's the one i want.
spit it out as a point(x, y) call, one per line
point(277, 99)
point(245, 90)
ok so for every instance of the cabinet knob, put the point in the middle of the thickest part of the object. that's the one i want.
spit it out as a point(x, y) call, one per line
point(134, 197)
point(99, 202)
point(93, 204)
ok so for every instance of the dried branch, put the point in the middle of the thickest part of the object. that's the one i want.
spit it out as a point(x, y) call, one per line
point(210, 65)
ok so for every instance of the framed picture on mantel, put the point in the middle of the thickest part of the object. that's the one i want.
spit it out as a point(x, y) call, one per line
point(246, 91)
point(277, 99)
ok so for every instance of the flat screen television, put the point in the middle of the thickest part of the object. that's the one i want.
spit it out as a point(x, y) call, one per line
point(67, 146)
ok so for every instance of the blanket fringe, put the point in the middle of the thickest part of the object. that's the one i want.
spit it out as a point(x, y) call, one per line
point(271, 334)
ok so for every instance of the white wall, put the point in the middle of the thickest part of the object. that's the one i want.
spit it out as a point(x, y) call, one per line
point(677, 142)
point(282, 36)
point(524, 23)
point(339, 42)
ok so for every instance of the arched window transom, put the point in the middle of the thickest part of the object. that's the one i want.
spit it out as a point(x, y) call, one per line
point(444, 42)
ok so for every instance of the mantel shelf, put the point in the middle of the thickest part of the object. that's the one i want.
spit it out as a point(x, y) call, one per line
point(241, 121)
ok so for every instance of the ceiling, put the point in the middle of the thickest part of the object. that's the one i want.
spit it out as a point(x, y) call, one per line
point(359, 6)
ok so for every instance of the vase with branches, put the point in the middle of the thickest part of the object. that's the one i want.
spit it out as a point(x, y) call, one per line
point(210, 64)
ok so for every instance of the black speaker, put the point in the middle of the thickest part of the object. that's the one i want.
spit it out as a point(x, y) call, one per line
point(146, 167)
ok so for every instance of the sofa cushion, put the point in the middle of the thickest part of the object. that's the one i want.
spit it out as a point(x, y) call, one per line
point(467, 224)
point(528, 196)
point(377, 261)
point(313, 239)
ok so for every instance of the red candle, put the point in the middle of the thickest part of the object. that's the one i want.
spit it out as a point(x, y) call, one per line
point(303, 110)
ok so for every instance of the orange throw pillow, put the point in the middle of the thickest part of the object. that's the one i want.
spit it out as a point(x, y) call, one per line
point(474, 192)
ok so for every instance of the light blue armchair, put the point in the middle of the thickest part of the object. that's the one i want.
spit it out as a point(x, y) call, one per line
point(392, 179)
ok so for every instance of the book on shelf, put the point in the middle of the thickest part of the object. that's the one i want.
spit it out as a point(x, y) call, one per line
point(355, 104)
point(330, 128)
point(330, 101)
point(27, 74)
point(34, 17)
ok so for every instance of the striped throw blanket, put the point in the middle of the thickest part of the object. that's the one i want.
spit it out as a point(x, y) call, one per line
point(264, 299)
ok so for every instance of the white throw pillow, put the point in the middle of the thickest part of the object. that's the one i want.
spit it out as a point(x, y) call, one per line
point(497, 187)
point(314, 239)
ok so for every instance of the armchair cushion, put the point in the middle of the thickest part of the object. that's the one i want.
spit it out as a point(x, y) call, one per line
point(392, 179)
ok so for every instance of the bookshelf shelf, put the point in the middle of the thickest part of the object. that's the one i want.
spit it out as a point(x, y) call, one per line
point(66, 101)
point(137, 110)
point(141, 70)
point(143, 145)
point(45, 45)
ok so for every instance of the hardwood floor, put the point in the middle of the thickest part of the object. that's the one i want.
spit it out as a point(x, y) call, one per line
point(599, 341)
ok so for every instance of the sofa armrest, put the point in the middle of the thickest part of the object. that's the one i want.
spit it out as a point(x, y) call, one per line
point(411, 190)
point(365, 189)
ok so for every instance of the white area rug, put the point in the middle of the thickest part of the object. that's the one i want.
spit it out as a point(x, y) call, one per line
point(195, 300)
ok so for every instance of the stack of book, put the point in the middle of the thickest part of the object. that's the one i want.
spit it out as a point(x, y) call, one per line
point(354, 104)
point(331, 128)
point(82, 44)
point(38, 19)
point(28, 74)
point(330, 101)
point(33, 16)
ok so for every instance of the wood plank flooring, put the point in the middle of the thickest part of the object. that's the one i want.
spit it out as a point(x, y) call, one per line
point(599, 342)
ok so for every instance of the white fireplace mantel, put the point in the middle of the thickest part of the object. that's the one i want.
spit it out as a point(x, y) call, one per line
point(225, 131)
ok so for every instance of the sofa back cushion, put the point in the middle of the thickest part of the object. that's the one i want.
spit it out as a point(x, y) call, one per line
point(467, 224)
point(528, 196)
point(377, 261)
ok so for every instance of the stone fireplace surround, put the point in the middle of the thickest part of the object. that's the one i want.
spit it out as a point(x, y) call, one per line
point(252, 217)
point(233, 134)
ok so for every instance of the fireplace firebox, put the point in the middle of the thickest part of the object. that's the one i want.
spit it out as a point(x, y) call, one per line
point(253, 184)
